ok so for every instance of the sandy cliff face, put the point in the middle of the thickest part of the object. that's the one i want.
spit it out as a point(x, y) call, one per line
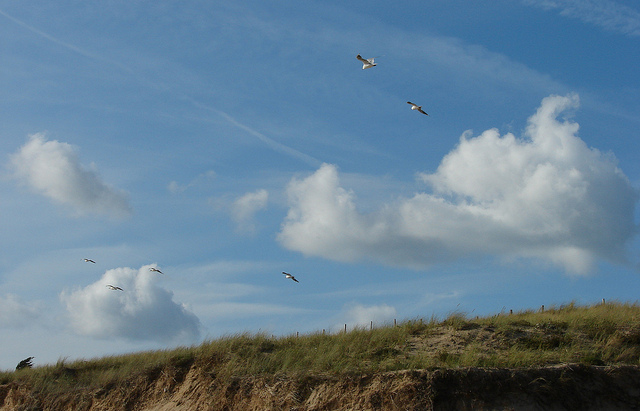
point(548, 388)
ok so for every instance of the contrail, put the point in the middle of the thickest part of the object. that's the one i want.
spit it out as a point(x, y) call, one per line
point(268, 141)
point(312, 161)
point(65, 44)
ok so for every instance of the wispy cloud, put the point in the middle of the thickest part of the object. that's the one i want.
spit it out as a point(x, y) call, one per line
point(141, 311)
point(52, 168)
point(607, 14)
point(174, 187)
point(546, 196)
point(230, 311)
point(245, 207)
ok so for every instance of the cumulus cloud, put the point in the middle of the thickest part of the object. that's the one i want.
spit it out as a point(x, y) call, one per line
point(16, 314)
point(546, 195)
point(53, 169)
point(142, 311)
point(245, 207)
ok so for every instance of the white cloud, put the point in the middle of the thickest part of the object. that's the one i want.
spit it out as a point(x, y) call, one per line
point(607, 14)
point(245, 207)
point(142, 311)
point(358, 315)
point(16, 314)
point(53, 169)
point(546, 196)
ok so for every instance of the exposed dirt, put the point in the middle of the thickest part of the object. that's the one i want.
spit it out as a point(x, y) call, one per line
point(566, 387)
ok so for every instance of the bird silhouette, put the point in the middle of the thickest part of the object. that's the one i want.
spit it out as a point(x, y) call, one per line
point(366, 63)
point(416, 107)
point(114, 288)
point(287, 275)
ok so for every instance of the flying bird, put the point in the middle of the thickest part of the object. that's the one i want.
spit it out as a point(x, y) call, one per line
point(366, 63)
point(416, 107)
point(88, 260)
point(114, 288)
point(155, 270)
point(287, 275)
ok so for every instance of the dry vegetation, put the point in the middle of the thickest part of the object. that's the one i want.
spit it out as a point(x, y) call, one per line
point(603, 334)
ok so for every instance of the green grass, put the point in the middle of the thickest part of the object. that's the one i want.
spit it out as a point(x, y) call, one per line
point(604, 334)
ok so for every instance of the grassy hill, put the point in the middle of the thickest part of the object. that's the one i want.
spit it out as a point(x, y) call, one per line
point(602, 340)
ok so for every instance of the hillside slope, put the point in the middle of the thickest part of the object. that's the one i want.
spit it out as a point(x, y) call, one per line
point(566, 358)
point(567, 387)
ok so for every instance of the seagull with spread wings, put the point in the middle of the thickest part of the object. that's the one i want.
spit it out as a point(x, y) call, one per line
point(366, 63)
point(114, 288)
point(416, 107)
point(88, 260)
point(287, 275)
point(154, 269)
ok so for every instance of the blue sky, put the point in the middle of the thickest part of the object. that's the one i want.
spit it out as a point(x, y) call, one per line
point(226, 142)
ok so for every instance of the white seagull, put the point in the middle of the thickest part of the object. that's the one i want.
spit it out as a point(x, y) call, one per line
point(88, 260)
point(114, 288)
point(416, 107)
point(290, 276)
point(366, 63)
point(155, 270)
